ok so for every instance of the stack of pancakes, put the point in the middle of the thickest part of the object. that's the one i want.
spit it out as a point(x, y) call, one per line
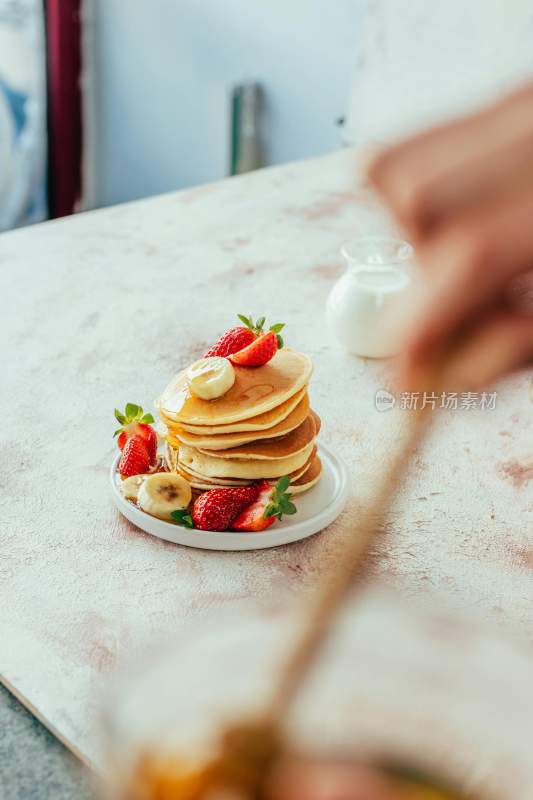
point(262, 427)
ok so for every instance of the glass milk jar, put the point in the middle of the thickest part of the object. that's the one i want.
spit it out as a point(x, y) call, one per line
point(364, 306)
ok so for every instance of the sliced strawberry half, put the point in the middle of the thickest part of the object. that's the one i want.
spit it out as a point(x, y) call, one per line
point(260, 352)
point(135, 422)
point(272, 503)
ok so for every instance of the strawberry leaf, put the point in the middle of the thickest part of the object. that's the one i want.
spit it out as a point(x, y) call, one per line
point(120, 417)
point(283, 484)
point(131, 411)
point(246, 320)
point(287, 507)
point(147, 418)
point(279, 341)
point(182, 517)
point(119, 430)
point(271, 511)
point(258, 327)
point(280, 502)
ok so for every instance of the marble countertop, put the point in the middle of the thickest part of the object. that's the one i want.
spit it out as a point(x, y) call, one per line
point(102, 308)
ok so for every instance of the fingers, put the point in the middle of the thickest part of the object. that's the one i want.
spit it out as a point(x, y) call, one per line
point(453, 167)
point(316, 781)
point(496, 347)
point(471, 266)
point(464, 194)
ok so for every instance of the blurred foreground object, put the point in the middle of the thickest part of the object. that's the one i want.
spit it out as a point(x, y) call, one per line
point(292, 777)
point(463, 193)
point(395, 684)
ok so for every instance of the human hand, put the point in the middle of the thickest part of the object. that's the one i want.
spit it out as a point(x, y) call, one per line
point(463, 192)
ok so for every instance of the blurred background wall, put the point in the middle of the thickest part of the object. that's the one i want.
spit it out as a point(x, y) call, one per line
point(154, 110)
point(161, 75)
point(423, 61)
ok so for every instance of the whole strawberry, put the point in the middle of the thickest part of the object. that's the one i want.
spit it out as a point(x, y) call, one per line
point(270, 504)
point(216, 509)
point(136, 423)
point(239, 338)
point(135, 459)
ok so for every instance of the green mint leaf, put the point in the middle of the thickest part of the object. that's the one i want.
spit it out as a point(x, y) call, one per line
point(279, 341)
point(120, 417)
point(182, 517)
point(148, 418)
point(277, 328)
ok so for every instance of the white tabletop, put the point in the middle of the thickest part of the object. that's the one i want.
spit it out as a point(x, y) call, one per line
point(102, 308)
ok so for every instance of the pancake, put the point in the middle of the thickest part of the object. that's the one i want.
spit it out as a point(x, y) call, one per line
point(271, 449)
point(206, 483)
point(310, 477)
point(258, 423)
point(256, 390)
point(223, 441)
point(171, 458)
point(211, 482)
point(203, 483)
point(251, 469)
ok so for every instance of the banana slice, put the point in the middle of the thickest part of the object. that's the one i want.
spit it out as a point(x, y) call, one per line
point(130, 486)
point(162, 493)
point(211, 377)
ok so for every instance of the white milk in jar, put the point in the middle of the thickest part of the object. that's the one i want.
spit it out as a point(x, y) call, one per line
point(366, 301)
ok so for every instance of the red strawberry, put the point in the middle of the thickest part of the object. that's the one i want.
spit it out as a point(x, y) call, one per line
point(240, 337)
point(235, 339)
point(135, 459)
point(271, 503)
point(258, 353)
point(216, 509)
point(135, 423)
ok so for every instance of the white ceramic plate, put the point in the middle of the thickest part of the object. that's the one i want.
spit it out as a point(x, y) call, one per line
point(317, 508)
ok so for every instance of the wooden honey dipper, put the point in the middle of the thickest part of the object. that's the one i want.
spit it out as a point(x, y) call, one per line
point(247, 749)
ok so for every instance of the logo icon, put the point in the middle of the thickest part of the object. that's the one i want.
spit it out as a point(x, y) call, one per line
point(384, 400)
